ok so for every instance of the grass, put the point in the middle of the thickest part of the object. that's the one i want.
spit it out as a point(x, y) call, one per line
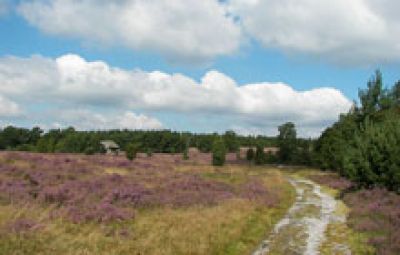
point(339, 232)
point(232, 226)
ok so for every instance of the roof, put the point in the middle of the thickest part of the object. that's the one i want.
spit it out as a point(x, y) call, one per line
point(109, 144)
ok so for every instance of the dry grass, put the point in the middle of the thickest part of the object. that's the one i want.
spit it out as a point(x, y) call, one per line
point(234, 226)
point(339, 232)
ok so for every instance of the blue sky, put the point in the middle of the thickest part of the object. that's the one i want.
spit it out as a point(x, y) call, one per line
point(288, 56)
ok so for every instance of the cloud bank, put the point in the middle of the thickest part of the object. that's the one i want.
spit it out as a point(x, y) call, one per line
point(83, 119)
point(71, 82)
point(357, 32)
point(348, 32)
point(181, 30)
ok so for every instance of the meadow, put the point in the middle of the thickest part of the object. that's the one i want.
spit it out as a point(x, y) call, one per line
point(100, 204)
point(373, 214)
point(162, 204)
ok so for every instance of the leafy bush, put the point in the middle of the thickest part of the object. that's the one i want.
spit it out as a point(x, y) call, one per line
point(373, 156)
point(131, 150)
point(271, 158)
point(218, 152)
point(90, 151)
point(259, 157)
point(250, 154)
point(149, 152)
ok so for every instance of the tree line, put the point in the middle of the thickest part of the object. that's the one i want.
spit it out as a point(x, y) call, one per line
point(70, 140)
point(364, 144)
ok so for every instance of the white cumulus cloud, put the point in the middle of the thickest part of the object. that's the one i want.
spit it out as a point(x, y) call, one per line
point(182, 30)
point(356, 32)
point(83, 119)
point(348, 32)
point(72, 81)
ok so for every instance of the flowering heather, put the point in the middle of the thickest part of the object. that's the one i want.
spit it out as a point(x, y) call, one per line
point(375, 211)
point(332, 180)
point(104, 188)
point(255, 190)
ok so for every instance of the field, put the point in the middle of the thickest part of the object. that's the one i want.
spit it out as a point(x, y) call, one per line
point(75, 204)
point(101, 204)
point(374, 214)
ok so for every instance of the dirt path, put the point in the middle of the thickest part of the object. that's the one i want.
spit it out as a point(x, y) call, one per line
point(302, 230)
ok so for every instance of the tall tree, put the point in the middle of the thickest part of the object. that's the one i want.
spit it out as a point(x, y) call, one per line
point(218, 152)
point(287, 142)
point(131, 150)
point(259, 157)
point(250, 154)
point(231, 142)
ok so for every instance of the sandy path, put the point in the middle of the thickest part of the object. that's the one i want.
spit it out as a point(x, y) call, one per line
point(302, 230)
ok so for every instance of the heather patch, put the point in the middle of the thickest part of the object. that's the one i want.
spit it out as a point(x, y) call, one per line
point(377, 212)
point(109, 205)
point(373, 212)
point(106, 188)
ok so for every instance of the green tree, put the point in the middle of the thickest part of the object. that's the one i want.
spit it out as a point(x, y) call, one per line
point(372, 159)
point(90, 151)
point(250, 154)
point(185, 154)
point(230, 141)
point(131, 150)
point(287, 142)
point(259, 157)
point(149, 152)
point(270, 158)
point(218, 152)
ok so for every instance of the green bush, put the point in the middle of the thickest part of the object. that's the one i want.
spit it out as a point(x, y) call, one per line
point(185, 154)
point(218, 152)
point(25, 147)
point(250, 154)
point(271, 158)
point(373, 157)
point(149, 152)
point(131, 150)
point(90, 151)
point(259, 157)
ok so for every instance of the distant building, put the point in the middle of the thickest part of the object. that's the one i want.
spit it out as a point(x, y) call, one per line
point(110, 147)
point(267, 150)
point(272, 150)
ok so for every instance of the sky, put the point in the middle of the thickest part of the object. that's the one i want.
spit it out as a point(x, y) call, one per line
point(189, 65)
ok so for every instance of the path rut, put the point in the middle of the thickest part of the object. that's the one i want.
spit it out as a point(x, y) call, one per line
point(302, 230)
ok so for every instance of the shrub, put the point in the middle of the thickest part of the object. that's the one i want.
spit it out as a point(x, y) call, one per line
point(250, 154)
point(185, 154)
point(131, 151)
point(218, 152)
point(89, 151)
point(238, 156)
point(373, 158)
point(259, 157)
point(25, 147)
point(149, 152)
point(271, 158)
